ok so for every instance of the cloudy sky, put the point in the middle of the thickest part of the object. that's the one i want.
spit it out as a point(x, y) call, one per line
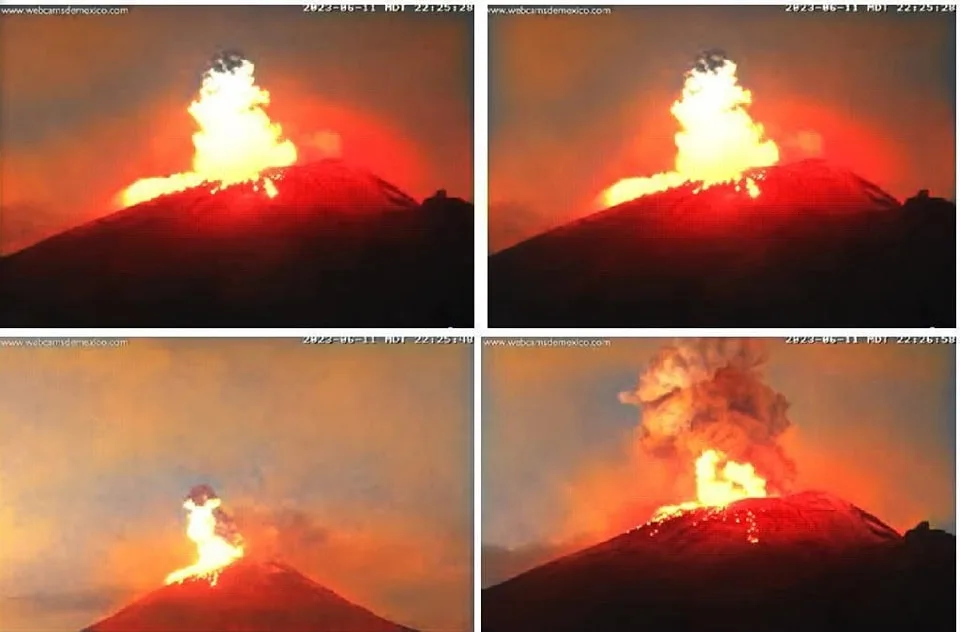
point(353, 464)
point(873, 424)
point(578, 102)
point(103, 100)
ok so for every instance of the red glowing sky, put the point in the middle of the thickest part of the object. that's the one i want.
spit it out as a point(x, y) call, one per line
point(103, 101)
point(578, 102)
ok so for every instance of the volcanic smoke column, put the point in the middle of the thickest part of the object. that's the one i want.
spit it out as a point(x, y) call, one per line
point(236, 139)
point(705, 402)
point(218, 542)
point(718, 140)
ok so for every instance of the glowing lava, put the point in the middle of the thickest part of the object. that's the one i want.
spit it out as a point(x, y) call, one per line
point(717, 142)
point(236, 140)
point(718, 486)
point(214, 553)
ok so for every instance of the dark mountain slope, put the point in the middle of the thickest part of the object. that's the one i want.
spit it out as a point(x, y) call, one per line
point(819, 247)
point(796, 564)
point(248, 597)
point(336, 247)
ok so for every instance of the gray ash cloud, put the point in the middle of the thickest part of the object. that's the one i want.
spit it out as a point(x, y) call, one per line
point(227, 61)
point(226, 527)
point(710, 60)
point(711, 394)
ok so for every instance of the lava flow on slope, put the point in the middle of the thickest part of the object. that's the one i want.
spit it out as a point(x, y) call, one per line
point(249, 237)
point(745, 554)
point(731, 237)
point(738, 559)
point(223, 592)
point(808, 561)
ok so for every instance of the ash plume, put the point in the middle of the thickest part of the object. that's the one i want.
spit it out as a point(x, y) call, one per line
point(226, 61)
point(710, 393)
point(226, 527)
point(710, 60)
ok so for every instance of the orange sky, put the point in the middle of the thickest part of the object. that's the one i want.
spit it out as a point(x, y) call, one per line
point(352, 463)
point(578, 102)
point(872, 424)
point(103, 101)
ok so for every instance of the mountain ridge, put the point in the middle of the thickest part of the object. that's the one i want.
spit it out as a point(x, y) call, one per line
point(802, 562)
point(820, 246)
point(336, 246)
point(248, 597)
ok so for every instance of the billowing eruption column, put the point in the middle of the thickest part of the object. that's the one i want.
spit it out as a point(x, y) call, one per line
point(213, 531)
point(709, 394)
point(717, 142)
point(225, 528)
point(235, 141)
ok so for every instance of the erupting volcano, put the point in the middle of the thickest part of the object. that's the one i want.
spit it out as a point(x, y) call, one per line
point(221, 592)
point(717, 143)
point(733, 237)
point(718, 486)
point(802, 562)
point(250, 237)
point(749, 554)
point(236, 140)
point(209, 527)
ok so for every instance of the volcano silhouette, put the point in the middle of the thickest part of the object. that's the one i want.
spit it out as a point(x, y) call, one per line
point(337, 247)
point(248, 597)
point(795, 564)
point(820, 246)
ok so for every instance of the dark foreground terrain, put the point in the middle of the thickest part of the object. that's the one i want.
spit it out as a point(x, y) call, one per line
point(337, 247)
point(817, 564)
point(248, 597)
point(820, 247)
point(797, 564)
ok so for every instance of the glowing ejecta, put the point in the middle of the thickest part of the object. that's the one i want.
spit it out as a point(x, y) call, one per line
point(718, 486)
point(718, 141)
point(208, 527)
point(236, 140)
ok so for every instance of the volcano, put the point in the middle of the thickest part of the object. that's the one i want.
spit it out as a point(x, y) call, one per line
point(804, 562)
point(248, 597)
point(817, 247)
point(334, 247)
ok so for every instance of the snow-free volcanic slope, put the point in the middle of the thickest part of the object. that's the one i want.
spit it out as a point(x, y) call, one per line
point(798, 563)
point(819, 246)
point(335, 246)
point(248, 597)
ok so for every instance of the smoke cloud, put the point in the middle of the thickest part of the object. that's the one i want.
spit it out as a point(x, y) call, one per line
point(566, 465)
point(711, 393)
point(226, 61)
point(324, 144)
point(805, 144)
point(89, 117)
point(560, 131)
point(226, 527)
point(710, 60)
point(369, 496)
